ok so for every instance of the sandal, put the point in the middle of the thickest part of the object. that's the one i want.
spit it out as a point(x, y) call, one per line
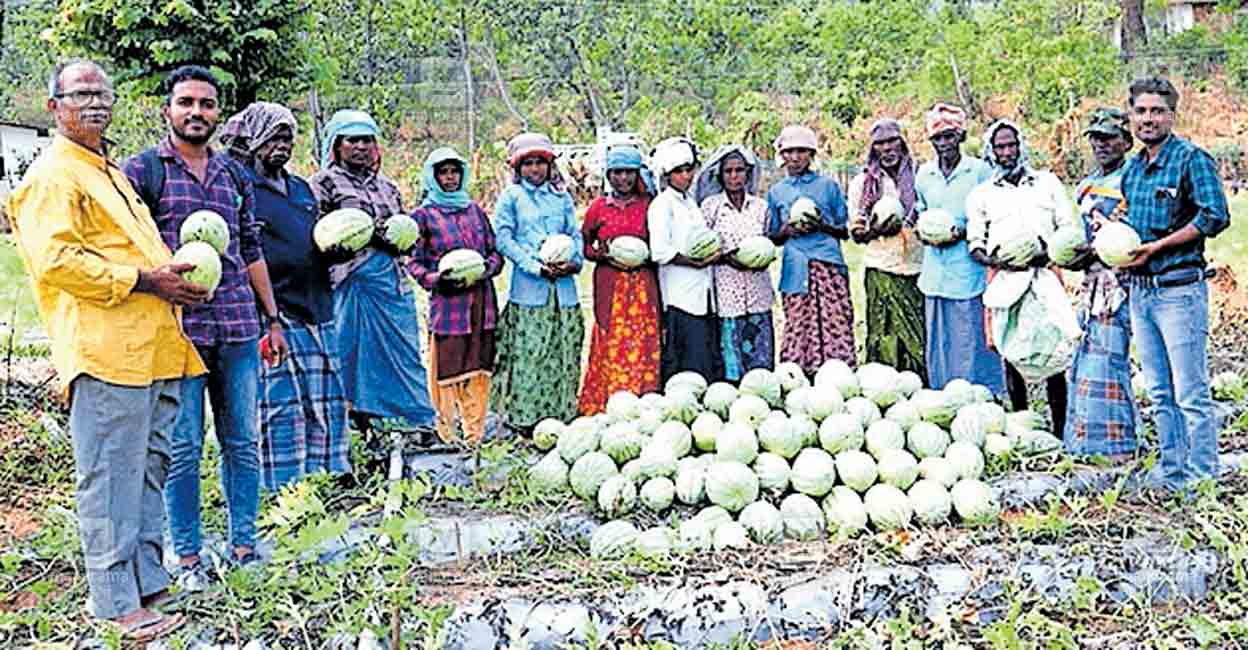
point(163, 599)
point(153, 626)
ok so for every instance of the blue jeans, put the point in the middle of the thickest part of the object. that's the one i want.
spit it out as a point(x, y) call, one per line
point(1171, 326)
point(232, 380)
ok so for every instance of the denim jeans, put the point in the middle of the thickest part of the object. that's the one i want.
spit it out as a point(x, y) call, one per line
point(1171, 326)
point(232, 381)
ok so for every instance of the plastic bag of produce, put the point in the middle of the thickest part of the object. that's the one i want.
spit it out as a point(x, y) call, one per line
point(1033, 324)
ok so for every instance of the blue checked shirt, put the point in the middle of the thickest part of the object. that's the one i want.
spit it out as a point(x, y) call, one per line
point(1178, 187)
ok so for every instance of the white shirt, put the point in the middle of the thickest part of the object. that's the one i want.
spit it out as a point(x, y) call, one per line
point(672, 217)
point(1039, 199)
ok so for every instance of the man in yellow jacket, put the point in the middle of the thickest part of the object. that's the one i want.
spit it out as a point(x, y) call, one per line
point(111, 301)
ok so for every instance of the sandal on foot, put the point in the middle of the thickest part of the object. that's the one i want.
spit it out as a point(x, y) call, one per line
point(153, 626)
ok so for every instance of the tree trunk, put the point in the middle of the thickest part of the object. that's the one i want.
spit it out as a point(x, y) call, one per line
point(1134, 34)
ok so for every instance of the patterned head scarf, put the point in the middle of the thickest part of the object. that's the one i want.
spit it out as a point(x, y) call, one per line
point(709, 181)
point(251, 128)
point(872, 189)
point(348, 123)
point(943, 117)
point(434, 194)
point(1024, 152)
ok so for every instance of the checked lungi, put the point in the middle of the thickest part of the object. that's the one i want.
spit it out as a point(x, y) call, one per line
point(303, 409)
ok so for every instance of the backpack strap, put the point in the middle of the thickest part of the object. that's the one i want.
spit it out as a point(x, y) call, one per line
point(153, 180)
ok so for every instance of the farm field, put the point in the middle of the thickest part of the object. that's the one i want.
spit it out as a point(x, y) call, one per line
point(468, 551)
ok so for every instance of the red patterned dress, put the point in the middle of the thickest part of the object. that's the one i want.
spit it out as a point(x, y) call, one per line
point(624, 348)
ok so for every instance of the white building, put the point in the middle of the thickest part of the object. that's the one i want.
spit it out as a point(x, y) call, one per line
point(19, 144)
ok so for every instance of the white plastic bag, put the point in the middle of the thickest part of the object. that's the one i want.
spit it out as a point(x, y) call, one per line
point(1034, 325)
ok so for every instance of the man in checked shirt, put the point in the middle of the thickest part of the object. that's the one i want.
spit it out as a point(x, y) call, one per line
point(225, 330)
point(1174, 201)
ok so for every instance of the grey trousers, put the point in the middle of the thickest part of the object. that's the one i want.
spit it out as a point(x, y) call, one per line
point(121, 454)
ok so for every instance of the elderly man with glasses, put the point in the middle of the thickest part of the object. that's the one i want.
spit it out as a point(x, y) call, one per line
point(111, 301)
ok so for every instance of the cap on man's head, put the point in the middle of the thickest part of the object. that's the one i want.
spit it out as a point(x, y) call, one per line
point(1108, 121)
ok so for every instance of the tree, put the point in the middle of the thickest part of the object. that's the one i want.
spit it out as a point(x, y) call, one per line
point(1134, 34)
point(251, 47)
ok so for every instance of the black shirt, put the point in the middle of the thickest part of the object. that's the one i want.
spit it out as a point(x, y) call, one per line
point(299, 272)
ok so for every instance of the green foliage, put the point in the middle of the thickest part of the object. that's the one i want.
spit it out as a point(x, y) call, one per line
point(251, 47)
point(1236, 42)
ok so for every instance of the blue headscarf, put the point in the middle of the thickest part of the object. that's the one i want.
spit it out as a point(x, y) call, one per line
point(623, 157)
point(434, 194)
point(346, 123)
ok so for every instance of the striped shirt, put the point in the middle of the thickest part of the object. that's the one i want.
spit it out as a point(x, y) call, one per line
point(1178, 187)
point(232, 315)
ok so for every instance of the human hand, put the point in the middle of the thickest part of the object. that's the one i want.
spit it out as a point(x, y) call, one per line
point(273, 347)
point(1141, 255)
point(166, 282)
point(446, 284)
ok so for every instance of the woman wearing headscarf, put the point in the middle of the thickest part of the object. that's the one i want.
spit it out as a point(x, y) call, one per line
point(303, 408)
point(378, 328)
point(462, 318)
point(624, 345)
point(541, 333)
point(691, 328)
point(814, 280)
point(893, 255)
point(727, 191)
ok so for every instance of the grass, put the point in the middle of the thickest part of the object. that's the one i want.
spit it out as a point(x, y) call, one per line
point(1231, 247)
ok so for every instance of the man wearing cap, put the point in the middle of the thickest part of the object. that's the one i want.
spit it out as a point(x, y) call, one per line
point(1100, 416)
point(952, 283)
point(378, 328)
point(1174, 201)
point(814, 280)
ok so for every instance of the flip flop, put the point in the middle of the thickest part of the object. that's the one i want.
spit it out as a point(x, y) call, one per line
point(149, 629)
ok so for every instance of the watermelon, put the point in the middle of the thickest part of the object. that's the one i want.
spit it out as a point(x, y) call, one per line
point(350, 228)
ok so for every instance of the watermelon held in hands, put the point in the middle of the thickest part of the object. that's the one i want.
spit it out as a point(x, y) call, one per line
point(207, 271)
point(402, 232)
point(462, 264)
point(205, 226)
point(756, 252)
point(629, 252)
point(350, 228)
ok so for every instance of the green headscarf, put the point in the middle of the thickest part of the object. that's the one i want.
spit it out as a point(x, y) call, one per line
point(434, 194)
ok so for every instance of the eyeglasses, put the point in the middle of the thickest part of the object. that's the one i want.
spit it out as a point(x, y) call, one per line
point(83, 98)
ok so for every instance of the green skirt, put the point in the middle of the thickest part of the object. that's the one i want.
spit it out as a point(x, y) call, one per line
point(895, 327)
point(539, 363)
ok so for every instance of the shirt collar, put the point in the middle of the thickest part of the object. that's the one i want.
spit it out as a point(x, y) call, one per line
point(544, 188)
point(63, 144)
point(807, 177)
point(963, 167)
point(1162, 154)
point(612, 201)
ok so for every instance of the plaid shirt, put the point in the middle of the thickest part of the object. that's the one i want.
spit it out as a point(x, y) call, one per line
point(1179, 187)
point(443, 230)
point(231, 316)
point(336, 188)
